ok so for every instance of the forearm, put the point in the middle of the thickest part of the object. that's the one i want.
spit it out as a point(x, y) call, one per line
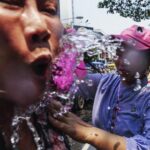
point(81, 131)
point(104, 140)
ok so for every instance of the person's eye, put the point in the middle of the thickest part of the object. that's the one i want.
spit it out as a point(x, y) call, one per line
point(50, 11)
point(13, 3)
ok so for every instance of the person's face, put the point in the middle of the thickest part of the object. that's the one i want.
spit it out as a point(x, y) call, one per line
point(129, 62)
point(29, 34)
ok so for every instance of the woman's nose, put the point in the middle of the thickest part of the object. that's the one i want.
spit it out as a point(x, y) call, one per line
point(35, 27)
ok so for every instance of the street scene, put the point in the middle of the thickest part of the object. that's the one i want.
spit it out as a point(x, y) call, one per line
point(74, 75)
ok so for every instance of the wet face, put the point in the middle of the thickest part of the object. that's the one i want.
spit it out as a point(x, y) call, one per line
point(29, 34)
point(129, 62)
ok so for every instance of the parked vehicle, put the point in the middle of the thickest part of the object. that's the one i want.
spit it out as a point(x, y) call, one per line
point(96, 67)
point(79, 103)
point(111, 67)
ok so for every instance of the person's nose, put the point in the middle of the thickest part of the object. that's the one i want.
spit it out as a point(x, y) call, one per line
point(35, 27)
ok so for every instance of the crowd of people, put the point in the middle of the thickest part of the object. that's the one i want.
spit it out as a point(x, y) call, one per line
point(30, 31)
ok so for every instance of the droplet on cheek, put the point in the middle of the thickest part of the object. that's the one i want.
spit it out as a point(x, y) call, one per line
point(127, 62)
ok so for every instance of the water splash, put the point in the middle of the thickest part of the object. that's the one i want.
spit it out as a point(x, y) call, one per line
point(138, 82)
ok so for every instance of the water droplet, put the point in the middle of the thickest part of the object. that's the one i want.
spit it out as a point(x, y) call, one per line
point(112, 127)
point(132, 42)
point(61, 138)
point(55, 115)
point(137, 75)
point(115, 58)
point(82, 81)
point(126, 62)
point(122, 49)
point(144, 132)
point(123, 79)
point(137, 88)
point(78, 82)
point(37, 139)
point(89, 82)
point(138, 82)
point(108, 107)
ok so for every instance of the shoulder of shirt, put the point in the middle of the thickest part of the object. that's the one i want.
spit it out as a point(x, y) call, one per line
point(145, 93)
point(110, 77)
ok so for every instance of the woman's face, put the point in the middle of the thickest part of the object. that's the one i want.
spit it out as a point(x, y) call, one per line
point(29, 34)
point(129, 62)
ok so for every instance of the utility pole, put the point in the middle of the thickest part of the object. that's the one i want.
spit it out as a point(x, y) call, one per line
point(59, 8)
point(73, 16)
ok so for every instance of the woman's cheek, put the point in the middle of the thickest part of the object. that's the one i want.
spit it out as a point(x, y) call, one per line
point(56, 35)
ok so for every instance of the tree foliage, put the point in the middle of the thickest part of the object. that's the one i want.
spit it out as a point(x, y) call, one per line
point(136, 9)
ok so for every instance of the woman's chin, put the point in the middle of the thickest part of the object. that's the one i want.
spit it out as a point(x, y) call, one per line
point(25, 91)
point(23, 86)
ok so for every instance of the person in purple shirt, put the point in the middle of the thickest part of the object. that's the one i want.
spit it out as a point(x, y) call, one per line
point(121, 111)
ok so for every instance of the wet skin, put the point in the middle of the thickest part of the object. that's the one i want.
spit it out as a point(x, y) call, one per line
point(29, 34)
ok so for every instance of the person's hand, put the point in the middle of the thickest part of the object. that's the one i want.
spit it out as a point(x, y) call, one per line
point(69, 123)
point(79, 130)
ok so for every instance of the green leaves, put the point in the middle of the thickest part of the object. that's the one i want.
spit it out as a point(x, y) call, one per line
point(137, 10)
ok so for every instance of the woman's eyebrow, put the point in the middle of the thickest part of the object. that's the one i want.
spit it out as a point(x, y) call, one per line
point(54, 2)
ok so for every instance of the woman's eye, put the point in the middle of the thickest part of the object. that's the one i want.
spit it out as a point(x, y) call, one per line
point(50, 11)
point(16, 3)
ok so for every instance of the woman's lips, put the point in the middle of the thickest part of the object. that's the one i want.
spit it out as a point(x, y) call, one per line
point(40, 66)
